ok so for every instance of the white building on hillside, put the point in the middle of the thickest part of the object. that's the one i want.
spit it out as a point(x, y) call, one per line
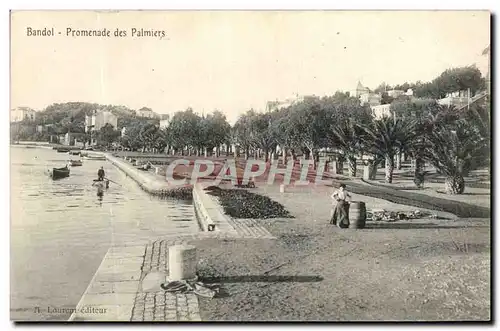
point(381, 111)
point(395, 93)
point(366, 96)
point(22, 113)
point(164, 123)
point(275, 105)
point(99, 119)
point(146, 112)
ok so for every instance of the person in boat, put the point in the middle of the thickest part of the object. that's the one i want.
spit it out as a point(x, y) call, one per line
point(100, 174)
point(340, 214)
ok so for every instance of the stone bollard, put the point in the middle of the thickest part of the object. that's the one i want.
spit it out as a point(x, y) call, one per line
point(182, 261)
point(282, 188)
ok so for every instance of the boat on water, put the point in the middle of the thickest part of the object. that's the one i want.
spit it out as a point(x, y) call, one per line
point(58, 173)
point(74, 152)
point(75, 163)
point(101, 184)
point(62, 150)
point(95, 157)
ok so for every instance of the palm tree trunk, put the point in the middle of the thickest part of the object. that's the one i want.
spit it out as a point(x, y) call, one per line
point(340, 166)
point(454, 184)
point(351, 163)
point(389, 168)
point(373, 169)
point(398, 161)
point(312, 155)
point(247, 153)
point(266, 154)
point(285, 155)
point(418, 177)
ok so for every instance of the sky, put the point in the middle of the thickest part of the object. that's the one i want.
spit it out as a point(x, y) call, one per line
point(234, 61)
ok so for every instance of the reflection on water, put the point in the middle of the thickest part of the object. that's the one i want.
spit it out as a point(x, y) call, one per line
point(61, 229)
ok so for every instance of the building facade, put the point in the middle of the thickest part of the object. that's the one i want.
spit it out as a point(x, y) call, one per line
point(395, 93)
point(373, 99)
point(276, 105)
point(99, 119)
point(366, 96)
point(380, 111)
point(164, 123)
point(146, 112)
point(360, 90)
point(22, 113)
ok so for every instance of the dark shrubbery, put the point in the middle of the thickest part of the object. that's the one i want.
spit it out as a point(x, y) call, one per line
point(244, 204)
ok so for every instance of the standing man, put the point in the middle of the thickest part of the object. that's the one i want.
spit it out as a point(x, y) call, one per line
point(100, 174)
point(340, 215)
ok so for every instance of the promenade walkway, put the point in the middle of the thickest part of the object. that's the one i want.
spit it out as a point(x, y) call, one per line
point(457, 208)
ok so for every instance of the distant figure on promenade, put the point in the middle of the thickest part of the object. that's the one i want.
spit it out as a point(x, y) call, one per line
point(100, 174)
point(340, 212)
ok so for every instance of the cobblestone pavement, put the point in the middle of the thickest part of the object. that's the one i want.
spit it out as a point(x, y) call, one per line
point(128, 281)
point(156, 304)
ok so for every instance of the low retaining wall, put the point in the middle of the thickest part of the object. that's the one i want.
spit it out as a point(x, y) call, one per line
point(208, 212)
point(145, 180)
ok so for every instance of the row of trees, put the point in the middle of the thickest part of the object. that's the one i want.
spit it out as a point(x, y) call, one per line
point(187, 131)
point(453, 142)
point(451, 80)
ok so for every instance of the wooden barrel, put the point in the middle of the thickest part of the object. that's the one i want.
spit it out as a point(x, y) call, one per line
point(357, 215)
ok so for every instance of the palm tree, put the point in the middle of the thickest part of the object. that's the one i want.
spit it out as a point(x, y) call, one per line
point(346, 136)
point(453, 151)
point(385, 137)
point(479, 117)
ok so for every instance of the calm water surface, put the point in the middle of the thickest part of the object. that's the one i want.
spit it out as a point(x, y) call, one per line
point(60, 230)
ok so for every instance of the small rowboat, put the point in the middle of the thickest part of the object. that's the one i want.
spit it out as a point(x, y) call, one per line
point(100, 184)
point(62, 150)
point(74, 152)
point(75, 163)
point(58, 173)
point(96, 157)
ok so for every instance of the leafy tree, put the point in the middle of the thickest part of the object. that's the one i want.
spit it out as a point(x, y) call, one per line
point(214, 130)
point(107, 135)
point(148, 134)
point(386, 99)
point(281, 131)
point(382, 88)
point(309, 123)
point(451, 80)
point(184, 130)
point(404, 87)
point(261, 133)
point(242, 131)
